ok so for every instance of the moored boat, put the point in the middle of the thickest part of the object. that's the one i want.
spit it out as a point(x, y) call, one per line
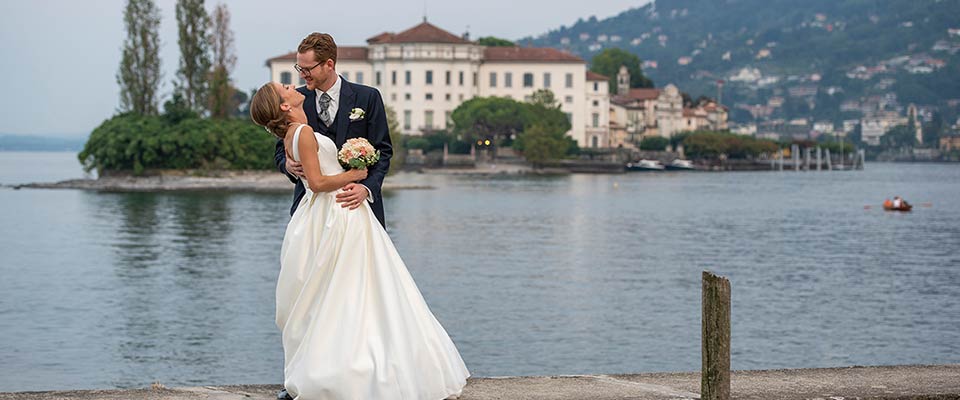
point(645, 165)
point(681, 165)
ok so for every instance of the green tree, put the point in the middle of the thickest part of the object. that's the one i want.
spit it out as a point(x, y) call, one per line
point(492, 41)
point(194, 71)
point(711, 145)
point(654, 143)
point(540, 144)
point(544, 98)
point(223, 95)
point(176, 140)
point(494, 118)
point(934, 130)
point(608, 63)
point(139, 73)
point(898, 137)
point(396, 138)
point(544, 109)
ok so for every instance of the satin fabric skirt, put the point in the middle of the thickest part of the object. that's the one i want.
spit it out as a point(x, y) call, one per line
point(354, 324)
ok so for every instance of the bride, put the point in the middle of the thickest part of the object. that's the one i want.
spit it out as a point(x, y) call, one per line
point(354, 325)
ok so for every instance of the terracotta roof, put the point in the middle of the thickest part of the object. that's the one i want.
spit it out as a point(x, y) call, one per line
point(423, 33)
point(386, 36)
point(640, 94)
point(343, 53)
point(713, 107)
point(541, 54)
point(351, 53)
point(689, 112)
point(593, 76)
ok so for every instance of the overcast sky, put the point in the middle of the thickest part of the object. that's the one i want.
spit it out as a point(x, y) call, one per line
point(60, 57)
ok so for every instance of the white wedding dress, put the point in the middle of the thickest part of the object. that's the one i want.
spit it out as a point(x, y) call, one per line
point(354, 324)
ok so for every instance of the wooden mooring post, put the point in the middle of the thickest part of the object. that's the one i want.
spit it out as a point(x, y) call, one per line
point(715, 376)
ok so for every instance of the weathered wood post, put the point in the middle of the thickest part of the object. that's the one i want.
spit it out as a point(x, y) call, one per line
point(715, 377)
point(795, 156)
point(818, 158)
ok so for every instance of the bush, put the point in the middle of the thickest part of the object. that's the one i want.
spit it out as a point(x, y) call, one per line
point(418, 143)
point(129, 142)
point(654, 143)
point(710, 145)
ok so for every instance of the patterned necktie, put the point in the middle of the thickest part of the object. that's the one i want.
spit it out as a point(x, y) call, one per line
point(325, 109)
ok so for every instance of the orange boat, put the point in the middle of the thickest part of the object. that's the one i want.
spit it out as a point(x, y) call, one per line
point(904, 207)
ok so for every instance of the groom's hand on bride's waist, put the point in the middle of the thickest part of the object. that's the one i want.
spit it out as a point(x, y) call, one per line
point(352, 195)
point(294, 168)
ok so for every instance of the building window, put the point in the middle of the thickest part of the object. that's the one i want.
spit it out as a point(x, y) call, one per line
point(378, 78)
point(596, 122)
point(596, 87)
point(493, 79)
point(429, 77)
point(429, 96)
point(460, 96)
point(527, 80)
point(286, 78)
point(461, 78)
point(568, 99)
point(360, 77)
point(546, 79)
point(448, 96)
point(569, 79)
point(407, 77)
point(596, 103)
point(569, 117)
point(475, 81)
point(406, 96)
point(449, 78)
point(393, 78)
point(428, 119)
point(447, 118)
point(393, 97)
point(346, 76)
point(507, 79)
point(595, 142)
point(406, 119)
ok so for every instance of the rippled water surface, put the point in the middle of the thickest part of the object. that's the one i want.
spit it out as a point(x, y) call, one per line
point(561, 275)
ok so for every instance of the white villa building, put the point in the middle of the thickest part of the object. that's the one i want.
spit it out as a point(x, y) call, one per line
point(425, 72)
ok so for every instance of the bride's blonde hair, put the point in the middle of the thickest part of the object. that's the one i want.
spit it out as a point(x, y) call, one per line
point(265, 110)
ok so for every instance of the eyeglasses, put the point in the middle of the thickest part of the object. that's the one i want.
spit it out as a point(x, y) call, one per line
point(303, 70)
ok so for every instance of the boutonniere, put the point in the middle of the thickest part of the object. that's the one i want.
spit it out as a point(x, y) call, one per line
point(357, 114)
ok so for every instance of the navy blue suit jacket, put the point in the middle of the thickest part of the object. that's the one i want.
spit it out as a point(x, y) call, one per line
point(372, 127)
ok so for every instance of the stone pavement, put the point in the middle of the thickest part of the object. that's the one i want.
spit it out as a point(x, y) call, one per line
point(914, 382)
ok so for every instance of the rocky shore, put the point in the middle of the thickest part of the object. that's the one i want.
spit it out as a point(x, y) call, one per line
point(906, 382)
point(261, 181)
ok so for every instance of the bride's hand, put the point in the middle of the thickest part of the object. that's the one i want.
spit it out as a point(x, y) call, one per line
point(357, 174)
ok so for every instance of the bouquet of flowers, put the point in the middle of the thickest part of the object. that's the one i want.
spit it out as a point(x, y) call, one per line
point(358, 153)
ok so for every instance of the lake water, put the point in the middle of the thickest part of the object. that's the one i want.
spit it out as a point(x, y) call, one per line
point(530, 276)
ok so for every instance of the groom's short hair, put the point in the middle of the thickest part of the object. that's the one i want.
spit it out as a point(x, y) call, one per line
point(322, 45)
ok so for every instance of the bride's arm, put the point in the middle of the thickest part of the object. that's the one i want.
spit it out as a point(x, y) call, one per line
point(316, 181)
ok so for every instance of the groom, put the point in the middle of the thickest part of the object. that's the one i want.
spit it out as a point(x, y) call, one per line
point(329, 102)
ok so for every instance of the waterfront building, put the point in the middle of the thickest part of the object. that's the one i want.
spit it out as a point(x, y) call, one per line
point(425, 72)
point(643, 112)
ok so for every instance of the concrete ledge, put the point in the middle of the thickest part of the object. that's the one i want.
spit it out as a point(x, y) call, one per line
point(908, 382)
